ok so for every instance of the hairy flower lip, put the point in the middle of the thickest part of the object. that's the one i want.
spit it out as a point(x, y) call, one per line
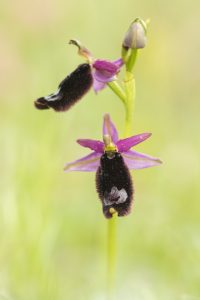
point(132, 158)
point(70, 90)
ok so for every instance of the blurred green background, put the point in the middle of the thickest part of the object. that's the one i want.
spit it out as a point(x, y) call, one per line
point(52, 231)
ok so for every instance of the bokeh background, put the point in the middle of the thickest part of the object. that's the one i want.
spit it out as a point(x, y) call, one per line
point(52, 231)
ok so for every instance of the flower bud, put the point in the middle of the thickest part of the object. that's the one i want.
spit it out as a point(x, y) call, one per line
point(135, 37)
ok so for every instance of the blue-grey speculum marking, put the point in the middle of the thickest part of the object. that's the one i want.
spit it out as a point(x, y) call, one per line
point(115, 196)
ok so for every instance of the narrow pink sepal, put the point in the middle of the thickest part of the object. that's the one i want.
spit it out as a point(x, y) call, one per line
point(97, 146)
point(89, 163)
point(126, 144)
point(109, 128)
point(118, 63)
point(135, 160)
point(98, 85)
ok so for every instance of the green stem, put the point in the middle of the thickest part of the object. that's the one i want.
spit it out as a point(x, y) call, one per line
point(131, 60)
point(129, 84)
point(111, 264)
point(117, 89)
point(127, 95)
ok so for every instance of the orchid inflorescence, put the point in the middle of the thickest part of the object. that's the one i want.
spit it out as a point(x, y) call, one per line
point(111, 158)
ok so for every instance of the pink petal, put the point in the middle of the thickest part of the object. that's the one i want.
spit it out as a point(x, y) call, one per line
point(97, 146)
point(89, 163)
point(97, 85)
point(103, 76)
point(102, 64)
point(136, 160)
point(118, 63)
point(126, 144)
point(109, 128)
point(105, 71)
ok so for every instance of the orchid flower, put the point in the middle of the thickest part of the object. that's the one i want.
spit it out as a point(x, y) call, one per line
point(95, 72)
point(111, 160)
point(103, 71)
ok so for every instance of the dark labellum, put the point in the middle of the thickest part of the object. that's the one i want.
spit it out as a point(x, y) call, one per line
point(70, 90)
point(114, 185)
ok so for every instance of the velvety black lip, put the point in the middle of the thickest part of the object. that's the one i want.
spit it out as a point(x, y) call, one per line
point(70, 90)
point(40, 103)
point(114, 174)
